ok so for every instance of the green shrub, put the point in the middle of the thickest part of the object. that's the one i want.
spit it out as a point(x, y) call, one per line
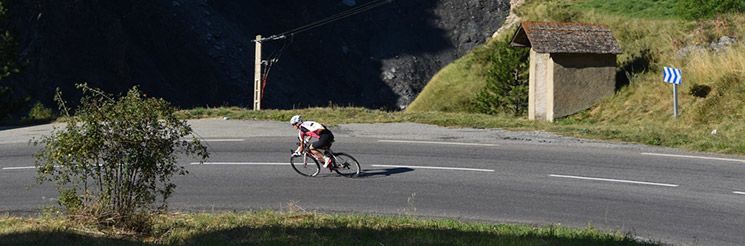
point(115, 156)
point(506, 89)
point(39, 112)
point(699, 9)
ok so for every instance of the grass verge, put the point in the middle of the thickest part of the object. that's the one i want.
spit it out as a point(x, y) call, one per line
point(662, 133)
point(302, 228)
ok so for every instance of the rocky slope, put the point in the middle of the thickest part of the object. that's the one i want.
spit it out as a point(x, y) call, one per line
point(199, 52)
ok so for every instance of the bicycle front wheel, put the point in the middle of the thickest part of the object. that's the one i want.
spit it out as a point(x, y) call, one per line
point(305, 165)
point(348, 166)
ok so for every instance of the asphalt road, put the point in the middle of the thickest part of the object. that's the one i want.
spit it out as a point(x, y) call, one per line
point(469, 174)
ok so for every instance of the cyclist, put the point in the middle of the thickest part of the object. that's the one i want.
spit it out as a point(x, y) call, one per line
point(310, 129)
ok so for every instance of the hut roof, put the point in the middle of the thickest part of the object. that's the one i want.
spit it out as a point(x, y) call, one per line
point(553, 37)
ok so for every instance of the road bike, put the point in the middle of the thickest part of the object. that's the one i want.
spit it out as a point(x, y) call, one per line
point(306, 163)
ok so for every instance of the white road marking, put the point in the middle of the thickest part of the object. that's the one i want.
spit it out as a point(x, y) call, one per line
point(284, 164)
point(223, 140)
point(739, 192)
point(613, 180)
point(440, 168)
point(244, 163)
point(431, 142)
point(14, 168)
point(695, 157)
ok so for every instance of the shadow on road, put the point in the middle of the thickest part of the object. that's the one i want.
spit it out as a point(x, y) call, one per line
point(14, 124)
point(366, 173)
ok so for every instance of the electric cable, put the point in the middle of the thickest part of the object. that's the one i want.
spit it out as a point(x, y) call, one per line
point(274, 57)
point(336, 17)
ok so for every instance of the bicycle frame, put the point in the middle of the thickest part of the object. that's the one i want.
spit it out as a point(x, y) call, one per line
point(341, 163)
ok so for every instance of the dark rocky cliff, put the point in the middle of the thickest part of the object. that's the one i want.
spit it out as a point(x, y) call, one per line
point(199, 52)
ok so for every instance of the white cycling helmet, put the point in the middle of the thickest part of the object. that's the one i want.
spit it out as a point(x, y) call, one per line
point(296, 119)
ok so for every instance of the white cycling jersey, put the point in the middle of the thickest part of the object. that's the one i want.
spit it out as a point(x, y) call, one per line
point(310, 128)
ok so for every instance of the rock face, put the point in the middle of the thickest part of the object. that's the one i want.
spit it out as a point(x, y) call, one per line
point(199, 52)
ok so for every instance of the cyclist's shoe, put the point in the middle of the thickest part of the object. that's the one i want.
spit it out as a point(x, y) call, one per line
point(326, 162)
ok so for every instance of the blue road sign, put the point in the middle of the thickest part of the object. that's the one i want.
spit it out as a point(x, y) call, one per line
point(672, 75)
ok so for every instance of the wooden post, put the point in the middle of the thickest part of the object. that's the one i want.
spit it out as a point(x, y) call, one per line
point(257, 75)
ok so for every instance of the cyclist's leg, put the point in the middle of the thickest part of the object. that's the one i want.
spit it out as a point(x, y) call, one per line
point(315, 151)
point(325, 138)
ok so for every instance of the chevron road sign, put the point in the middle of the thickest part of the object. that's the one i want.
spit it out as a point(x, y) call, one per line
point(672, 75)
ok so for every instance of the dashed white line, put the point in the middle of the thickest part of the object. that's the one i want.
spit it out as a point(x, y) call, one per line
point(695, 157)
point(432, 142)
point(739, 192)
point(15, 168)
point(404, 166)
point(244, 163)
point(440, 168)
point(223, 140)
point(613, 180)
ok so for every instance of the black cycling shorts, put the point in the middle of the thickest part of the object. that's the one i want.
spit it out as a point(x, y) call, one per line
point(325, 138)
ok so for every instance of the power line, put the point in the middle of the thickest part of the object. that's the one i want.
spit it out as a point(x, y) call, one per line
point(260, 78)
point(327, 20)
point(273, 58)
point(339, 16)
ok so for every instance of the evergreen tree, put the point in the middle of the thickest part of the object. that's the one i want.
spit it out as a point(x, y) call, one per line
point(506, 88)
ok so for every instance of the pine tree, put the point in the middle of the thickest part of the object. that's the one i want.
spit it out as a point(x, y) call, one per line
point(506, 88)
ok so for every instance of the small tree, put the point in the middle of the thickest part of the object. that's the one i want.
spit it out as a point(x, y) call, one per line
point(115, 157)
point(506, 89)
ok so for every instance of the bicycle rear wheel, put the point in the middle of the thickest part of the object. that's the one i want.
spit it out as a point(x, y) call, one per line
point(347, 165)
point(305, 165)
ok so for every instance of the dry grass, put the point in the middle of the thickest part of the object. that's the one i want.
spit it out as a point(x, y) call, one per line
point(304, 228)
point(446, 90)
point(642, 111)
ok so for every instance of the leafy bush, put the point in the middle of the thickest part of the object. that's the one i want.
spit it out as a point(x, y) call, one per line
point(115, 156)
point(506, 88)
point(39, 112)
point(699, 9)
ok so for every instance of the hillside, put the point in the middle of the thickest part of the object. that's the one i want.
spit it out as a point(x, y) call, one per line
point(199, 53)
point(709, 51)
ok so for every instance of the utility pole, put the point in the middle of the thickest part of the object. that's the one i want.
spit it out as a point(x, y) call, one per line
point(258, 63)
point(257, 74)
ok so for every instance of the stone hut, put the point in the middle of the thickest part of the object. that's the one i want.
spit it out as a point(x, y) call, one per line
point(572, 66)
